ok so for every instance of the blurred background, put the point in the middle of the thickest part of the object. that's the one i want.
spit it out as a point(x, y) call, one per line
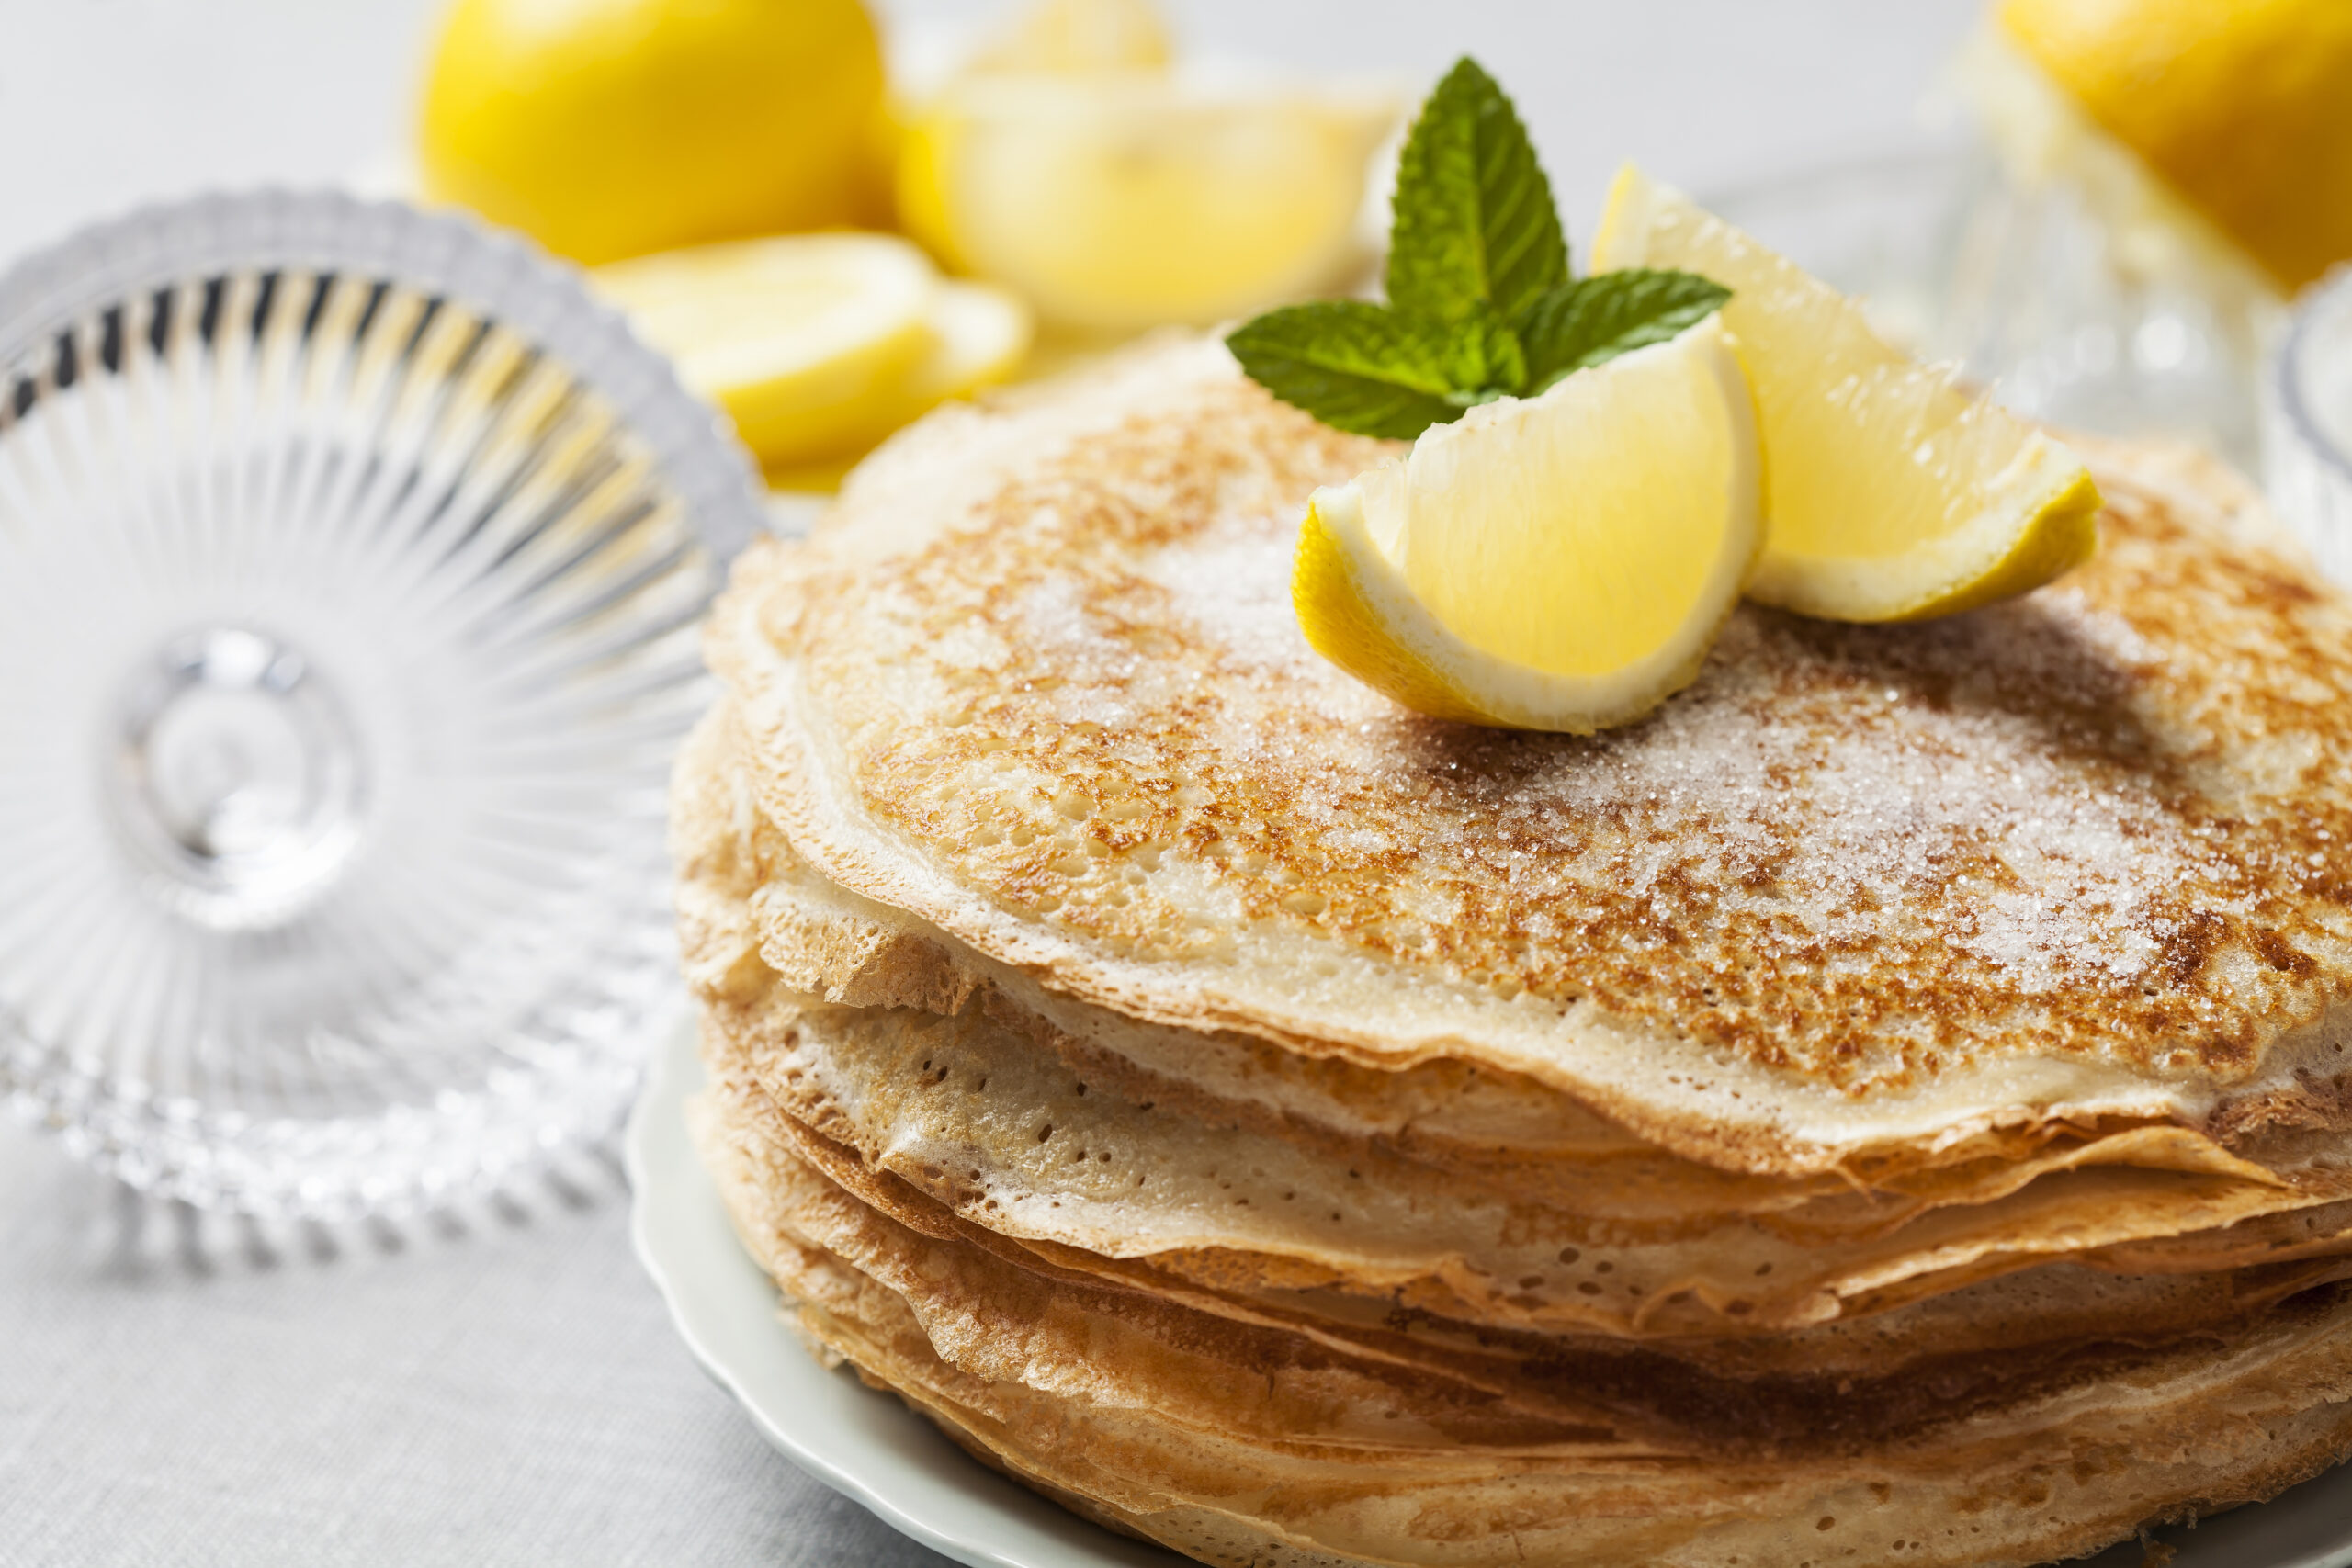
point(2002, 191)
point(120, 101)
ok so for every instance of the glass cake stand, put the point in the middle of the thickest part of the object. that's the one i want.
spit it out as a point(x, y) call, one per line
point(350, 559)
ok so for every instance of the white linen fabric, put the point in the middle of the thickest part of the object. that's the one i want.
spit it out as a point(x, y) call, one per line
point(500, 1386)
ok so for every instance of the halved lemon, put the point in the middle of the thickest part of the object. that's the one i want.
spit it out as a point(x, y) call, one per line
point(1559, 562)
point(1894, 495)
point(802, 339)
point(1118, 200)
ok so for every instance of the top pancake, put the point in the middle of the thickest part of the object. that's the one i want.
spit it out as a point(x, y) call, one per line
point(2087, 853)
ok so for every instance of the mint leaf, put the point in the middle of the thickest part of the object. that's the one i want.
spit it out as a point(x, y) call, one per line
point(1379, 371)
point(1473, 217)
point(1482, 353)
point(1481, 301)
point(1600, 317)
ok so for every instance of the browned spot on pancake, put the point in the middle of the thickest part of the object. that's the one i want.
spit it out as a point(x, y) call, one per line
point(2276, 952)
point(2190, 946)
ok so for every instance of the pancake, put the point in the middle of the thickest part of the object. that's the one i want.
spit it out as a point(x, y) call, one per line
point(1243, 1446)
point(745, 895)
point(972, 1117)
point(1888, 1106)
point(1858, 890)
point(958, 1100)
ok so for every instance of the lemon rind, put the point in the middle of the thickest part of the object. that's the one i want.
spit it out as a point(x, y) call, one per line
point(1383, 633)
point(2037, 522)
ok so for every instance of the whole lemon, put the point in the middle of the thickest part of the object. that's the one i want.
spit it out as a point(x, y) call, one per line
point(607, 129)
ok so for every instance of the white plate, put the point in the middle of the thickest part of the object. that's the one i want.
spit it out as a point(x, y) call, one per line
point(871, 1448)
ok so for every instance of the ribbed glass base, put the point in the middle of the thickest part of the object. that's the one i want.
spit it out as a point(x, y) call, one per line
point(350, 568)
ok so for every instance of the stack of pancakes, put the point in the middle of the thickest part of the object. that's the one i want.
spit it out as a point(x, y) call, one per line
point(1888, 1107)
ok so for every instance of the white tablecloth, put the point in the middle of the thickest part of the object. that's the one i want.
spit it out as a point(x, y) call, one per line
point(500, 1389)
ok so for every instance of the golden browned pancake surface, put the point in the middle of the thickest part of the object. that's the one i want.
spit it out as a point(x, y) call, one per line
point(2087, 853)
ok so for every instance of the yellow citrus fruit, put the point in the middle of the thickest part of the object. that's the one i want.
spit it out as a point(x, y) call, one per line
point(607, 129)
point(817, 346)
point(1559, 562)
point(798, 337)
point(1120, 200)
point(2243, 106)
point(979, 335)
point(1894, 494)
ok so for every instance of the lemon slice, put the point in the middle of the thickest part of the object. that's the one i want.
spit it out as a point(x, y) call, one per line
point(1893, 495)
point(980, 334)
point(1560, 562)
point(805, 339)
point(1121, 200)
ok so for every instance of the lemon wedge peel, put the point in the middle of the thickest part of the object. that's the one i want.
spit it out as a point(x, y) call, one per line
point(1984, 561)
point(1894, 494)
point(1666, 434)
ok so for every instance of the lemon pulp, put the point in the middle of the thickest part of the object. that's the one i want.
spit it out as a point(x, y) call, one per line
point(1559, 562)
point(817, 346)
point(1894, 494)
point(1115, 201)
point(1078, 36)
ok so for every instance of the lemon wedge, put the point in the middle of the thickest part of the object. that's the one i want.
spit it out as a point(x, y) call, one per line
point(1115, 201)
point(1894, 494)
point(980, 336)
point(801, 339)
point(1558, 563)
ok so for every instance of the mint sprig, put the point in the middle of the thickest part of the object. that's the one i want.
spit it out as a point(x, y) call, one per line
point(1472, 221)
point(1379, 371)
point(1596, 319)
point(1482, 302)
